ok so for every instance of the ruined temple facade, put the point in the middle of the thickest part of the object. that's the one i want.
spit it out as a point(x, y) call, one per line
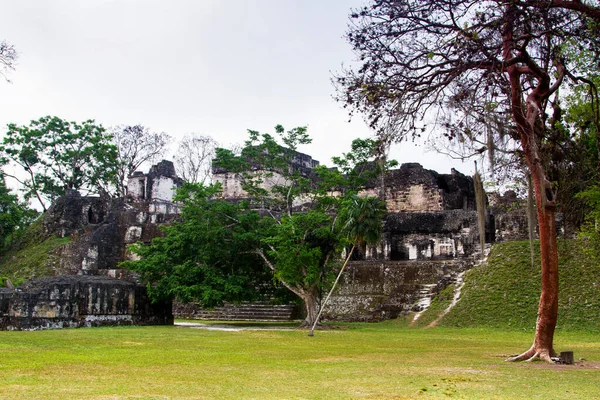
point(430, 231)
point(231, 184)
point(156, 187)
point(89, 288)
point(79, 301)
point(430, 234)
point(102, 227)
point(429, 215)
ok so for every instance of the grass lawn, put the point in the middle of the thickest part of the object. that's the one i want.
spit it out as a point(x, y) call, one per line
point(371, 361)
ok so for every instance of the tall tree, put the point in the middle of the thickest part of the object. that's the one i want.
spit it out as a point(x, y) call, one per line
point(57, 155)
point(193, 158)
point(301, 253)
point(421, 56)
point(136, 145)
point(303, 202)
point(300, 247)
point(285, 221)
point(8, 58)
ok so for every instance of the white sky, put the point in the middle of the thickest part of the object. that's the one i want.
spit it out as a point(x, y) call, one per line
point(213, 67)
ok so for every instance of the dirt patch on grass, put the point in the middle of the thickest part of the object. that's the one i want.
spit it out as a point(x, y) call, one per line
point(563, 367)
point(580, 364)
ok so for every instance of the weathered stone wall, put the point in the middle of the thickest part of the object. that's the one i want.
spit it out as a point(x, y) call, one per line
point(373, 291)
point(159, 184)
point(77, 301)
point(232, 186)
point(509, 214)
point(101, 228)
point(411, 188)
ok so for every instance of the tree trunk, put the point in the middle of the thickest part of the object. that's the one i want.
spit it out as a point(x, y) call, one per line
point(480, 203)
point(531, 220)
point(310, 299)
point(314, 324)
point(548, 307)
point(381, 190)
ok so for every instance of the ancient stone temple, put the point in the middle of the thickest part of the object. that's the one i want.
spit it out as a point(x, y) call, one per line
point(102, 227)
point(429, 238)
point(430, 215)
point(89, 287)
point(430, 234)
point(232, 187)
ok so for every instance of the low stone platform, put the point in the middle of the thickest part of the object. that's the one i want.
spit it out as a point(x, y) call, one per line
point(78, 301)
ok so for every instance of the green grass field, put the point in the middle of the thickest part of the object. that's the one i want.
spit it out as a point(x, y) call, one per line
point(461, 358)
point(362, 361)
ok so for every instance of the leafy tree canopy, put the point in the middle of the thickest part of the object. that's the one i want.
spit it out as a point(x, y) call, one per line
point(207, 256)
point(56, 155)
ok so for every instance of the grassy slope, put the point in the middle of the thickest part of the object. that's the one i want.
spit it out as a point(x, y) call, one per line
point(504, 292)
point(32, 257)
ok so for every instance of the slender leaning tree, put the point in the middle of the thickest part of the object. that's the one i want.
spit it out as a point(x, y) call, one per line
point(362, 222)
point(420, 58)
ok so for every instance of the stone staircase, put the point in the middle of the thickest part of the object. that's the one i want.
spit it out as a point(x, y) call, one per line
point(424, 294)
point(259, 311)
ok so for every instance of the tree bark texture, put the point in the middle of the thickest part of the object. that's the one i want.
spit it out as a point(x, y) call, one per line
point(311, 307)
point(531, 218)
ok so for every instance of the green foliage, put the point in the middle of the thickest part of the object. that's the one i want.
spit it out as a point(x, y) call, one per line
point(591, 197)
point(266, 169)
point(221, 250)
point(582, 120)
point(504, 292)
point(208, 256)
point(16, 282)
point(362, 219)
point(357, 166)
point(301, 247)
point(15, 216)
point(57, 155)
point(33, 255)
point(582, 107)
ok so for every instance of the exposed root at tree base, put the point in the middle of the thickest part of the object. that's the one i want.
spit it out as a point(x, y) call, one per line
point(532, 355)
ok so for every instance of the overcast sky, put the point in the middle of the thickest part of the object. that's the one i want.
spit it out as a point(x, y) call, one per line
point(213, 67)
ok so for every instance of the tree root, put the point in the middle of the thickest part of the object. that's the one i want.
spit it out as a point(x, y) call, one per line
point(532, 355)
